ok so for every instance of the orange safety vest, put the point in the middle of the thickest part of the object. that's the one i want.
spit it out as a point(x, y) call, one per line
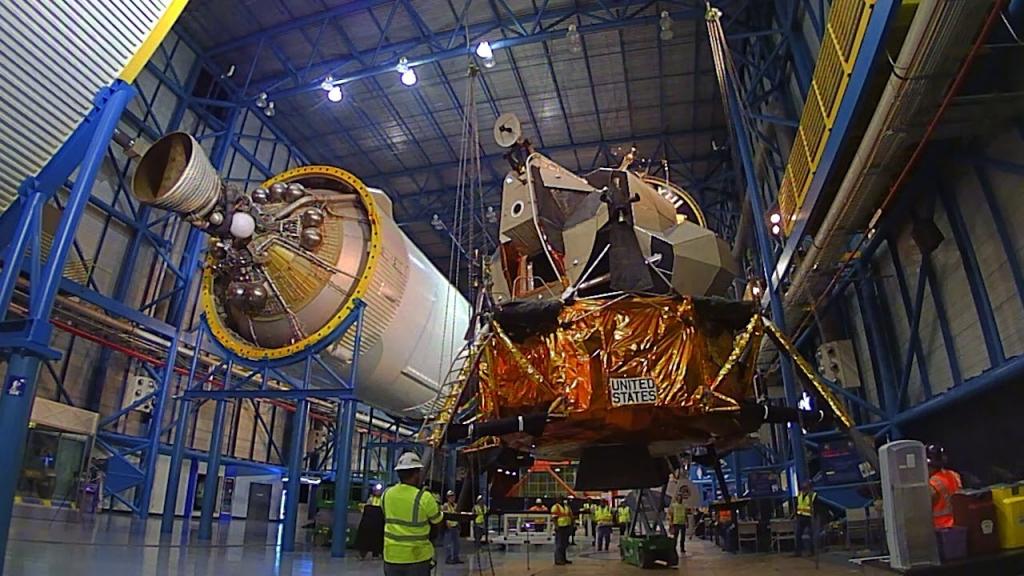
point(944, 483)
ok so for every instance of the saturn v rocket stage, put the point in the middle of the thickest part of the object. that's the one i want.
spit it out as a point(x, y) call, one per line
point(287, 262)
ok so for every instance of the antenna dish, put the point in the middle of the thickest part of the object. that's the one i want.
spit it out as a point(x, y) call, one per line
point(507, 130)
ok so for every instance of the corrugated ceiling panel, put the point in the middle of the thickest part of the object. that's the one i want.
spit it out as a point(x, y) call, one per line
point(54, 57)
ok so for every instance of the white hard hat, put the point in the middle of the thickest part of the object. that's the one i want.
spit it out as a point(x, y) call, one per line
point(539, 501)
point(409, 461)
point(479, 498)
point(450, 493)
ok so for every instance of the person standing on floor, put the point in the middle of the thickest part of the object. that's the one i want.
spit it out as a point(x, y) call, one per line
point(480, 521)
point(562, 515)
point(451, 533)
point(409, 511)
point(622, 517)
point(605, 521)
point(677, 517)
point(943, 483)
point(370, 534)
point(805, 516)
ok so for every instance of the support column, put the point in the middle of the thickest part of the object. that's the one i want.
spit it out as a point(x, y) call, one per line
point(345, 429)
point(174, 472)
point(295, 453)
point(212, 474)
point(766, 256)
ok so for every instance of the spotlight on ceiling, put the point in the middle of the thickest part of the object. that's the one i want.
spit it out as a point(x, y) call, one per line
point(486, 54)
point(574, 38)
point(335, 94)
point(491, 215)
point(261, 100)
point(408, 74)
point(665, 23)
point(328, 84)
point(269, 111)
point(437, 223)
point(775, 218)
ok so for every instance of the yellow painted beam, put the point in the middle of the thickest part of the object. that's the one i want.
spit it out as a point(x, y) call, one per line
point(156, 37)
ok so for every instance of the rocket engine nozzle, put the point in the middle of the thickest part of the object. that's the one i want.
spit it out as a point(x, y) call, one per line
point(174, 174)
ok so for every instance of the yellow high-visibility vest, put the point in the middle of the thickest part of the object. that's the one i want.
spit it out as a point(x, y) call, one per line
point(480, 510)
point(623, 515)
point(562, 514)
point(374, 500)
point(805, 503)
point(450, 509)
point(678, 513)
point(603, 515)
point(408, 513)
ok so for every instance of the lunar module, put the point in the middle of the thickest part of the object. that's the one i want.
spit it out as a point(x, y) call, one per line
point(610, 332)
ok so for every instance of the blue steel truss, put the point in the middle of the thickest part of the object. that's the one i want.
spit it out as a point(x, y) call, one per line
point(25, 341)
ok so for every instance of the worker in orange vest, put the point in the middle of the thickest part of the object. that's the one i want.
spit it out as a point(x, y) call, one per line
point(944, 483)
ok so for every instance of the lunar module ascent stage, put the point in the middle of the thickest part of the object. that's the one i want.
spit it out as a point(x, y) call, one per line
point(603, 332)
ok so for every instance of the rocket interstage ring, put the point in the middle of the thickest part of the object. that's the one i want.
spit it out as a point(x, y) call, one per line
point(311, 290)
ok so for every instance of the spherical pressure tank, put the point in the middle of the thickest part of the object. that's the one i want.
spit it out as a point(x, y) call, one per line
point(288, 263)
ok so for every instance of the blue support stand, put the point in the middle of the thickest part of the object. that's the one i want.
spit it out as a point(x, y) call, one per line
point(212, 473)
point(343, 475)
point(26, 342)
point(296, 451)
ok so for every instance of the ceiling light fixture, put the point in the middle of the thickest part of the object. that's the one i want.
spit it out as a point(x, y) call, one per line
point(335, 94)
point(486, 54)
point(269, 111)
point(665, 23)
point(574, 38)
point(328, 84)
point(408, 74)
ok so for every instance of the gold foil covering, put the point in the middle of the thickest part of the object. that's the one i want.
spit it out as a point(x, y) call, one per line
point(665, 339)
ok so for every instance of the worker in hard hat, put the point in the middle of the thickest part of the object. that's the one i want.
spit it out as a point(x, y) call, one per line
point(944, 483)
point(677, 518)
point(564, 520)
point(541, 521)
point(370, 534)
point(805, 501)
point(622, 517)
point(605, 521)
point(451, 533)
point(409, 512)
point(480, 520)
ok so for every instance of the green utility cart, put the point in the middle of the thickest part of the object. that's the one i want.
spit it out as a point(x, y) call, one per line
point(647, 543)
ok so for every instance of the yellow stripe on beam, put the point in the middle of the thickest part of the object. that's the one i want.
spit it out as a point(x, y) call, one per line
point(156, 37)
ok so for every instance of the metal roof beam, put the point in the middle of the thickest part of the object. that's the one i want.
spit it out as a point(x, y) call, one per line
point(296, 24)
point(333, 66)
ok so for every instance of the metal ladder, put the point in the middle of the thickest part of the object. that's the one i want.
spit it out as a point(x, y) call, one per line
point(441, 409)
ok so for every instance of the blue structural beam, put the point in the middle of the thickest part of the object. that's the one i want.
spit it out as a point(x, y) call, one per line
point(212, 473)
point(766, 258)
point(271, 394)
point(867, 61)
point(340, 68)
point(27, 343)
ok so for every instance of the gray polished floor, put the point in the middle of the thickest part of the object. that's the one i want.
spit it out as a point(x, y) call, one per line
point(47, 542)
